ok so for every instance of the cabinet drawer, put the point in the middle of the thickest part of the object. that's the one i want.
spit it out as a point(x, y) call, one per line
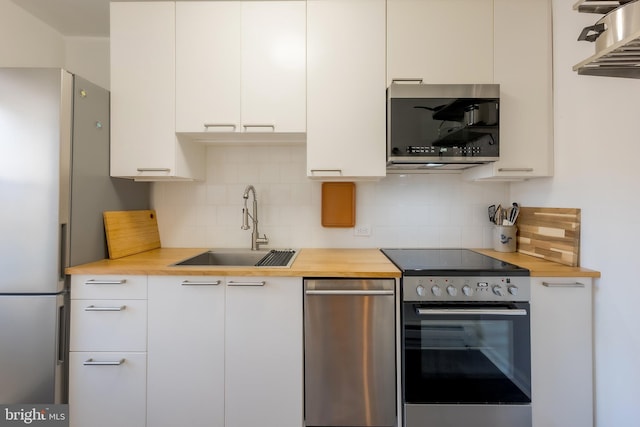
point(108, 287)
point(108, 325)
point(107, 389)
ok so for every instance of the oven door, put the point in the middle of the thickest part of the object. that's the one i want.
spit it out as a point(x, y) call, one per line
point(478, 353)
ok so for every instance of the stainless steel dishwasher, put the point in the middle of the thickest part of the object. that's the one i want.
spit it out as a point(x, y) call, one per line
point(350, 356)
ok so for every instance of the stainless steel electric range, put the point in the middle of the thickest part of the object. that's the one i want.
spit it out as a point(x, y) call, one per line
point(466, 351)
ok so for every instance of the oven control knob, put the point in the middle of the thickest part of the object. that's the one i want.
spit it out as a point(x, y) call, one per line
point(420, 290)
point(498, 290)
point(435, 290)
point(451, 290)
point(466, 289)
point(513, 290)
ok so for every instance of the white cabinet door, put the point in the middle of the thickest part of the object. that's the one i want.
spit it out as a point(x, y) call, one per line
point(526, 100)
point(240, 67)
point(108, 344)
point(108, 325)
point(273, 66)
point(440, 41)
point(346, 136)
point(562, 352)
point(186, 351)
point(107, 389)
point(264, 361)
point(208, 65)
point(143, 140)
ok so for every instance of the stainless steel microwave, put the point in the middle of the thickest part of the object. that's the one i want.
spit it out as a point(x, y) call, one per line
point(442, 126)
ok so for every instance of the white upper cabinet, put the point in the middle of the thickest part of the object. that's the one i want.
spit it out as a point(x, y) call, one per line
point(273, 66)
point(143, 140)
point(523, 68)
point(240, 68)
point(346, 136)
point(440, 41)
point(208, 66)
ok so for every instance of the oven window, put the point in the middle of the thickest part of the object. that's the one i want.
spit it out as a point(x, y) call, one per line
point(467, 353)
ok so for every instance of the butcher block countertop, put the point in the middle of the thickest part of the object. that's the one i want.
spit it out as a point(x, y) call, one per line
point(309, 263)
point(369, 263)
point(538, 266)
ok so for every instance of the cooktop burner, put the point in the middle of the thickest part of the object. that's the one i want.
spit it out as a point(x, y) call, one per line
point(450, 262)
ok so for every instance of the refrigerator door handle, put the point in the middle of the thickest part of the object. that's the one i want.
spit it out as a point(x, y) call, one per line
point(62, 334)
point(63, 251)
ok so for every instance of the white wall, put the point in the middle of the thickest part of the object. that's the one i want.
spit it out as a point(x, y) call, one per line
point(26, 41)
point(597, 148)
point(438, 210)
point(88, 57)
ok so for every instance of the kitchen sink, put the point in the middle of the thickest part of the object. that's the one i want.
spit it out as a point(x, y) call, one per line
point(242, 258)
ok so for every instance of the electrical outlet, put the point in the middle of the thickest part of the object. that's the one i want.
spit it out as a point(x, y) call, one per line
point(362, 230)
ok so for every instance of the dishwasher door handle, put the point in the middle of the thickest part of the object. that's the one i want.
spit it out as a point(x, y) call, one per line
point(362, 292)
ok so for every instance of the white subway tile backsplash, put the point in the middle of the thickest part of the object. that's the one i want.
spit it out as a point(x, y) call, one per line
point(413, 210)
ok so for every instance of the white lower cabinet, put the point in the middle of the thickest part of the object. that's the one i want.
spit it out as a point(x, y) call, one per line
point(263, 352)
point(107, 389)
point(225, 351)
point(108, 351)
point(186, 351)
point(562, 352)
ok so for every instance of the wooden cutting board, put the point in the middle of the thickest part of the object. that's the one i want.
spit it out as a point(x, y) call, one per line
point(338, 204)
point(550, 233)
point(131, 232)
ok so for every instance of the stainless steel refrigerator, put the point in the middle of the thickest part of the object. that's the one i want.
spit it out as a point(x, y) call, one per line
point(54, 186)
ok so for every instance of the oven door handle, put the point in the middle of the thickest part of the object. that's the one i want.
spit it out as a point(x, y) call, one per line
point(472, 311)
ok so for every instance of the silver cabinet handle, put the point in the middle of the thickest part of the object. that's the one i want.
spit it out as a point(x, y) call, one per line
point(94, 308)
point(339, 171)
point(154, 170)
point(200, 283)
point(407, 79)
point(273, 127)
point(348, 292)
point(472, 312)
point(515, 169)
point(91, 362)
point(220, 125)
point(563, 285)
point(105, 282)
point(234, 283)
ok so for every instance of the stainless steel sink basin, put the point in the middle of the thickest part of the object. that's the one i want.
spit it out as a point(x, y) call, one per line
point(242, 258)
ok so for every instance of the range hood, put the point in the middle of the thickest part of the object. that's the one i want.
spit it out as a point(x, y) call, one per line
point(616, 37)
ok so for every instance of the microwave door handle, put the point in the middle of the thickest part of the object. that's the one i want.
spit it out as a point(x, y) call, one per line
point(471, 311)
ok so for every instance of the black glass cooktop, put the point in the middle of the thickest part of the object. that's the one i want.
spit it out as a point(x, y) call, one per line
point(450, 262)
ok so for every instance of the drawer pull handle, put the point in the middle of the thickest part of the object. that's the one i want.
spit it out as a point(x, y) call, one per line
point(94, 308)
point(203, 283)
point(91, 362)
point(234, 283)
point(219, 125)
point(254, 126)
point(515, 169)
point(167, 170)
point(105, 282)
point(327, 172)
point(407, 79)
point(563, 285)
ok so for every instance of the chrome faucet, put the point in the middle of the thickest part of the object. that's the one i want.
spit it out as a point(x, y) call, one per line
point(256, 240)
